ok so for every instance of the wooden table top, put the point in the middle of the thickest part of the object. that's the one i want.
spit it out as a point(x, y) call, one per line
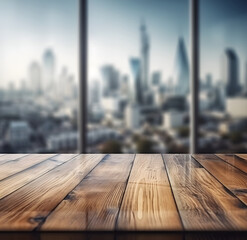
point(123, 192)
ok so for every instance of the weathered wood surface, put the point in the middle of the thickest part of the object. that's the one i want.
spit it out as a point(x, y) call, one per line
point(18, 180)
point(234, 160)
point(143, 192)
point(148, 203)
point(28, 207)
point(95, 202)
point(10, 157)
point(13, 166)
point(203, 202)
point(231, 177)
point(244, 156)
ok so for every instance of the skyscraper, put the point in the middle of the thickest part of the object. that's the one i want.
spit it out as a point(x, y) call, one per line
point(48, 69)
point(124, 89)
point(135, 83)
point(144, 57)
point(181, 71)
point(231, 72)
point(35, 77)
point(94, 93)
point(62, 78)
point(156, 78)
point(209, 81)
point(110, 78)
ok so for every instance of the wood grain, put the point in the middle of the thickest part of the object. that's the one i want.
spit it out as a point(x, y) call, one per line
point(63, 157)
point(120, 192)
point(148, 202)
point(234, 160)
point(232, 178)
point(12, 167)
point(203, 202)
point(95, 202)
point(243, 156)
point(18, 180)
point(10, 157)
point(28, 207)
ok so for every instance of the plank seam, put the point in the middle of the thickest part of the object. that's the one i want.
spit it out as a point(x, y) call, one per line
point(168, 176)
point(230, 163)
point(230, 191)
point(121, 201)
point(37, 177)
point(44, 219)
point(17, 159)
point(28, 167)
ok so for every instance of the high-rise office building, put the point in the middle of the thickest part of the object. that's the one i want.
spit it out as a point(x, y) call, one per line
point(35, 77)
point(48, 69)
point(62, 78)
point(94, 93)
point(144, 57)
point(209, 81)
point(110, 82)
point(231, 72)
point(181, 73)
point(124, 89)
point(156, 78)
point(135, 82)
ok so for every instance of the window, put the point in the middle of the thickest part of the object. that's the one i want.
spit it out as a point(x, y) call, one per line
point(39, 75)
point(138, 76)
point(223, 90)
point(136, 67)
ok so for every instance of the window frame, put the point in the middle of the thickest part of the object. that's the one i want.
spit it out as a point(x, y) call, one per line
point(194, 74)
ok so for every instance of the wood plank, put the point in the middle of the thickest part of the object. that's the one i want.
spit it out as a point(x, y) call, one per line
point(234, 160)
point(18, 180)
point(148, 202)
point(231, 177)
point(203, 202)
point(63, 157)
point(243, 156)
point(12, 167)
point(10, 157)
point(27, 207)
point(95, 202)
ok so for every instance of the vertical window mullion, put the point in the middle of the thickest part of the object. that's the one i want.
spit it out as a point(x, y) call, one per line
point(194, 75)
point(83, 76)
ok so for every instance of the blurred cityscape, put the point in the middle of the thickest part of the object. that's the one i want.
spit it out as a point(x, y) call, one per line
point(133, 109)
point(144, 113)
point(40, 115)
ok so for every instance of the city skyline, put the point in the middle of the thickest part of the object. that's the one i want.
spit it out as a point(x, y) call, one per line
point(28, 27)
point(166, 22)
point(57, 27)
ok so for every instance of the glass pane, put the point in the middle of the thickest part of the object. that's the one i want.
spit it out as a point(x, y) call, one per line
point(223, 92)
point(138, 76)
point(38, 75)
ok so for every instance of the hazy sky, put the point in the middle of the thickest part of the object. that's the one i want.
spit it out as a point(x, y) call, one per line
point(114, 32)
point(223, 25)
point(28, 27)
